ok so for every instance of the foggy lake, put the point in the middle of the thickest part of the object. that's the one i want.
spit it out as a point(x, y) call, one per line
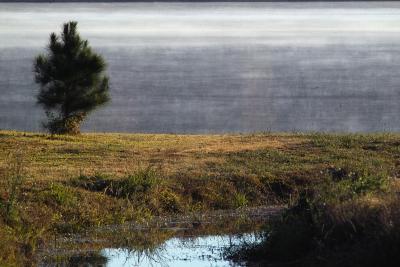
point(218, 67)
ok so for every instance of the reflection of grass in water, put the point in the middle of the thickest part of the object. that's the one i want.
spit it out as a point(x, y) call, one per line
point(135, 244)
point(152, 256)
point(93, 258)
point(142, 242)
point(208, 248)
point(148, 244)
point(80, 259)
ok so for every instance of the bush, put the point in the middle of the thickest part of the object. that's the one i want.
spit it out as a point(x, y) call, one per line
point(348, 219)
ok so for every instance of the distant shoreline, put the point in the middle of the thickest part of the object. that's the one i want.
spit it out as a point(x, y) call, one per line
point(184, 1)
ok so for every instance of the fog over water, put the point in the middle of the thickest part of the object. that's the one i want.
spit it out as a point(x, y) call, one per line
point(218, 67)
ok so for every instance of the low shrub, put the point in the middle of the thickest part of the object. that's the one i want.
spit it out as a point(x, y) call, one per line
point(350, 215)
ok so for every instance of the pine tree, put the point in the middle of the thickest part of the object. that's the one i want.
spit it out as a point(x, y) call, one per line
point(72, 81)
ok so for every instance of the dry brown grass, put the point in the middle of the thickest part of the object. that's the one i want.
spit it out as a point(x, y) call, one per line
point(63, 157)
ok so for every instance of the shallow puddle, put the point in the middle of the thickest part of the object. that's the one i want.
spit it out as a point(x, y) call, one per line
point(199, 251)
point(184, 241)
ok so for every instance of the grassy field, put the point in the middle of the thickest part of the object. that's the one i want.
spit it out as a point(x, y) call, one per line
point(61, 184)
point(63, 157)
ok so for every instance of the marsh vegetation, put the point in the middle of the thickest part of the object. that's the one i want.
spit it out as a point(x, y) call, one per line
point(345, 184)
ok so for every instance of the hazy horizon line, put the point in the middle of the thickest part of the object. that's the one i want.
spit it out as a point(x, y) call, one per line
point(183, 1)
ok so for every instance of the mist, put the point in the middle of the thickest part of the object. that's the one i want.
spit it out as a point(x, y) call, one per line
point(218, 67)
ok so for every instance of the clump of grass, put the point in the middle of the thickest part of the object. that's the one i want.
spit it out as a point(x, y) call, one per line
point(97, 182)
point(240, 200)
point(59, 195)
point(142, 181)
point(170, 202)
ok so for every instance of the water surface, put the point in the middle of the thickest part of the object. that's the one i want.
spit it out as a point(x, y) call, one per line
point(218, 67)
point(179, 252)
point(202, 240)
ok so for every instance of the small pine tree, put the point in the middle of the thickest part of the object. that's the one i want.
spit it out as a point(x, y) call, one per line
point(72, 81)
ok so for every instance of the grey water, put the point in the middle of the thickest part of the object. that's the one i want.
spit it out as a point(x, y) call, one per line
point(218, 67)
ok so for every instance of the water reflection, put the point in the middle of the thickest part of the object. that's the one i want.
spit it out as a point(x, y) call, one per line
point(198, 251)
point(91, 259)
point(187, 241)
